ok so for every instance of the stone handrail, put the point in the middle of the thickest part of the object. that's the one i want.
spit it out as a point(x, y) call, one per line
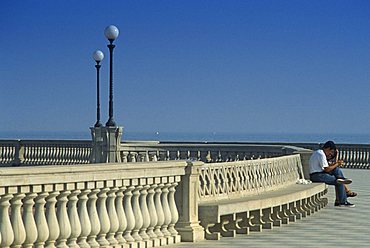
point(90, 205)
point(241, 178)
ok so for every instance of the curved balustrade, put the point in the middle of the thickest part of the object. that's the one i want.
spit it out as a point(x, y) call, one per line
point(206, 152)
point(237, 179)
point(64, 152)
point(88, 206)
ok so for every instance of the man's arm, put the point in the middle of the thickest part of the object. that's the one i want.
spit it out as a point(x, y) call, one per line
point(333, 166)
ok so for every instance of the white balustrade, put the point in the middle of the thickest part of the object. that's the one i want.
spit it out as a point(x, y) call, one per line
point(238, 178)
point(89, 206)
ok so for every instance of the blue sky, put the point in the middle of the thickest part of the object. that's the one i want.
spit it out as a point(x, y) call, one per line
point(257, 66)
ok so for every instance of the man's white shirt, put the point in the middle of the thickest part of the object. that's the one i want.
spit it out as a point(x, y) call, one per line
point(318, 161)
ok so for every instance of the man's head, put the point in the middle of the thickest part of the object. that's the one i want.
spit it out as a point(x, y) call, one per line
point(329, 148)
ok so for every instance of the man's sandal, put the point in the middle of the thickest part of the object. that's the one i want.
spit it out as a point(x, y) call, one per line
point(351, 194)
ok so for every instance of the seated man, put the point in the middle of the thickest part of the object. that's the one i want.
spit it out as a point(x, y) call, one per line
point(321, 171)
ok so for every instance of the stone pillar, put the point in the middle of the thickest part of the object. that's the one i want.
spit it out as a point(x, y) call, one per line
point(305, 158)
point(112, 143)
point(187, 202)
point(97, 145)
point(106, 144)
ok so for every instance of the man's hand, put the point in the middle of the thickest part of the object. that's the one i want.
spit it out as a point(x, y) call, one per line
point(340, 162)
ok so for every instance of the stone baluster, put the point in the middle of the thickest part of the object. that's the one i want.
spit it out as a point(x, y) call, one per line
point(168, 155)
point(103, 217)
point(73, 219)
point(113, 218)
point(219, 157)
point(34, 154)
point(129, 214)
point(94, 218)
point(6, 230)
point(84, 219)
point(199, 156)
point(51, 219)
point(16, 220)
point(147, 158)
point(152, 211)
point(166, 210)
point(28, 220)
point(40, 218)
point(159, 211)
point(63, 220)
point(153, 157)
point(121, 216)
point(145, 213)
point(132, 156)
point(137, 213)
point(173, 209)
point(208, 158)
point(124, 157)
point(158, 155)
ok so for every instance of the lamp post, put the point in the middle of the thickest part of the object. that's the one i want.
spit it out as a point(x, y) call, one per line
point(111, 33)
point(98, 56)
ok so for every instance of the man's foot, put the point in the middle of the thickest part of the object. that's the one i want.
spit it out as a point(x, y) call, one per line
point(346, 204)
point(344, 180)
point(351, 194)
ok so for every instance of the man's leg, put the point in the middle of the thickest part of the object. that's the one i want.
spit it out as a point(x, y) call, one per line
point(341, 196)
point(337, 172)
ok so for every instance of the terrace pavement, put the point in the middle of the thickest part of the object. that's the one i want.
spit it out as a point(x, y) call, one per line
point(330, 227)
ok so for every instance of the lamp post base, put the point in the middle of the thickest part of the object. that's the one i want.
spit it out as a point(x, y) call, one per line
point(106, 144)
point(110, 122)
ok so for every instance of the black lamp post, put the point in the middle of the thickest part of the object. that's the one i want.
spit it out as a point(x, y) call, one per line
point(111, 32)
point(98, 57)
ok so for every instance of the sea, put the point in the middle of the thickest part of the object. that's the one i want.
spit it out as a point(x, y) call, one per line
point(193, 136)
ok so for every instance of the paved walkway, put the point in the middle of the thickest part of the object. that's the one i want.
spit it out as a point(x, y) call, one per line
point(330, 227)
